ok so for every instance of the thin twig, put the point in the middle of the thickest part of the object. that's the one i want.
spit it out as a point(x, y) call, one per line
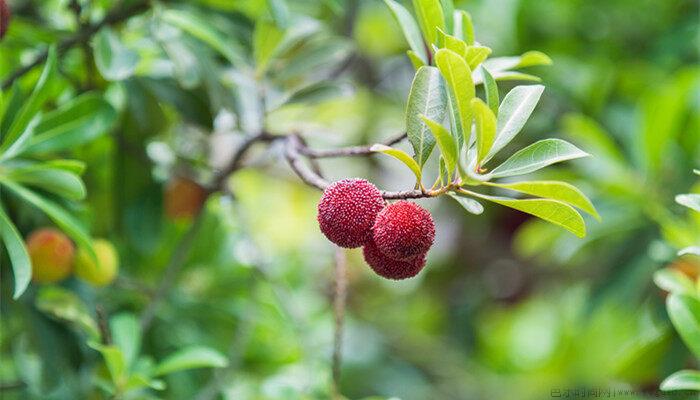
point(339, 300)
point(348, 151)
point(82, 36)
point(236, 161)
point(295, 151)
point(103, 325)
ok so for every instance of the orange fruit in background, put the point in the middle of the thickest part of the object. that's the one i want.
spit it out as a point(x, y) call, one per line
point(52, 254)
point(98, 272)
point(183, 198)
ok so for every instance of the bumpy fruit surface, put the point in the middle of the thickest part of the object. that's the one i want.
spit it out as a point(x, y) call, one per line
point(4, 17)
point(404, 230)
point(101, 272)
point(390, 268)
point(183, 198)
point(52, 255)
point(347, 211)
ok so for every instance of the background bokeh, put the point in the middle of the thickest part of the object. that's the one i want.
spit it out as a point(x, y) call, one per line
point(507, 307)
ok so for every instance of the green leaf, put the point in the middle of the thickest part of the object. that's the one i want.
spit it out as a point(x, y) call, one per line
point(33, 104)
point(190, 358)
point(126, 334)
point(430, 17)
point(416, 61)
point(18, 145)
point(553, 211)
point(510, 76)
point(410, 30)
point(468, 203)
point(536, 156)
point(467, 27)
point(446, 143)
point(691, 201)
point(453, 43)
point(401, 156)
point(65, 305)
point(115, 61)
point(12, 102)
point(458, 77)
point(485, 128)
point(554, 190)
point(513, 113)
point(689, 250)
point(114, 358)
point(427, 97)
point(202, 30)
point(445, 176)
point(77, 122)
point(57, 214)
point(684, 312)
point(448, 9)
point(674, 281)
point(475, 55)
point(19, 258)
point(266, 39)
point(491, 89)
point(63, 183)
point(682, 380)
point(529, 59)
point(75, 166)
point(280, 12)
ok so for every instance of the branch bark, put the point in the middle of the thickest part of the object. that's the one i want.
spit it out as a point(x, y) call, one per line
point(295, 151)
point(339, 301)
point(349, 151)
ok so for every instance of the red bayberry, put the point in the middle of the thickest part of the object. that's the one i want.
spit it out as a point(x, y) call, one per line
point(404, 230)
point(390, 268)
point(347, 211)
point(4, 17)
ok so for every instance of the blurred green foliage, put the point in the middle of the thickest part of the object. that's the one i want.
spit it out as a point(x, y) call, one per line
point(508, 307)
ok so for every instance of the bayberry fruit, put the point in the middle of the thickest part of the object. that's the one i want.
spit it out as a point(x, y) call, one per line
point(347, 211)
point(390, 268)
point(404, 230)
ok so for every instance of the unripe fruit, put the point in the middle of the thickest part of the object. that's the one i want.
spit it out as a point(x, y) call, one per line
point(98, 272)
point(347, 211)
point(52, 255)
point(4, 17)
point(404, 230)
point(183, 198)
point(390, 268)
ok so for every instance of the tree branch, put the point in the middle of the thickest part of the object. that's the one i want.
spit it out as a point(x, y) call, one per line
point(82, 36)
point(339, 301)
point(349, 151)
point(236, 161)
point(295, 150)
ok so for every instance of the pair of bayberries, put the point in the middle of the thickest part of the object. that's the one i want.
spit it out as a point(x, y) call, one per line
point(395, 237)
